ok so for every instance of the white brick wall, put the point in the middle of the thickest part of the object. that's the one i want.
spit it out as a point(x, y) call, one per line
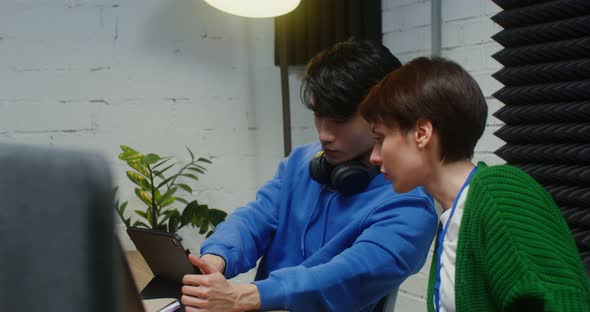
point(156, 75)
point(466, 32)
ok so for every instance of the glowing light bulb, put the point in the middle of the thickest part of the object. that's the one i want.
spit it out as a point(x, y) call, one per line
point(255, 8)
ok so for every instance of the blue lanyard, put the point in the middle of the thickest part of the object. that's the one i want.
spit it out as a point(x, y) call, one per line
point(441, 239)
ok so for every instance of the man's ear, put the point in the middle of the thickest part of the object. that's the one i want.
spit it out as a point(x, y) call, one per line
point(423, 132)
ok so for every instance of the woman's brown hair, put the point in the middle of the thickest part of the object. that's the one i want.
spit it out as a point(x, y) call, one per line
point(437, 90)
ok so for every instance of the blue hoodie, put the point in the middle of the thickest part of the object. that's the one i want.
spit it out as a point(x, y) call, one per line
point(323, 251)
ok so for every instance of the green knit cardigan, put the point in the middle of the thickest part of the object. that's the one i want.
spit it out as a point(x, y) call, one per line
point(515, 251)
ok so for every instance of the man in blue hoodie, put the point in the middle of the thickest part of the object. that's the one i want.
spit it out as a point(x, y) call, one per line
point(330, 234)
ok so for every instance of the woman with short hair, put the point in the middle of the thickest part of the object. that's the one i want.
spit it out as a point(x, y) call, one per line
point(502, 243)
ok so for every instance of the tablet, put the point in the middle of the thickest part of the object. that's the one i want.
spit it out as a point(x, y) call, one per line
point(163, 252)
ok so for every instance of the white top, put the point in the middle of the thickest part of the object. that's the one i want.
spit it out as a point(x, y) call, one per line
point(449, 253)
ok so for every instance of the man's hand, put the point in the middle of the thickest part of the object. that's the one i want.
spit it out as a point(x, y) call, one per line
point(215, 261)
point(211, 291)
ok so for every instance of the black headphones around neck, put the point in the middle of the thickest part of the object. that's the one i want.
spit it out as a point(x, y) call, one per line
point(347, 178)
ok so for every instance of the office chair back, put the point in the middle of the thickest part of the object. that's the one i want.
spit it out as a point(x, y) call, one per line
point(56, 231)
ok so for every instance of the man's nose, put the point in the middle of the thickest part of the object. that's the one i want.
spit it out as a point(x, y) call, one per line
point(325, 133)
point(376, 155)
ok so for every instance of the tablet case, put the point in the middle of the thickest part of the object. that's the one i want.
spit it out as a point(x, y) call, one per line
point(132, 298)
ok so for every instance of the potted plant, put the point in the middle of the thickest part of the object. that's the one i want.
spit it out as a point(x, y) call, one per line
point(158, 185)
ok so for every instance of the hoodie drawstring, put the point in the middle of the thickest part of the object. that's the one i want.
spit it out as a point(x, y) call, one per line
point(306, 226)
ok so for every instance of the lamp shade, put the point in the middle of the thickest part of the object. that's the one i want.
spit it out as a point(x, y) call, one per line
point(255, 8)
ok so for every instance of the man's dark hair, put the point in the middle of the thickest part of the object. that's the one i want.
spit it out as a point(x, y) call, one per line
point(338, 78)
point(437, 90)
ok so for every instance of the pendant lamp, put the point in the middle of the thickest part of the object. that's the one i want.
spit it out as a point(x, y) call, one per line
point(268, 8)
point(255, 8)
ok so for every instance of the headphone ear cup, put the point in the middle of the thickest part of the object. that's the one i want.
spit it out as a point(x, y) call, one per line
point(350, 177)
point(320, 169)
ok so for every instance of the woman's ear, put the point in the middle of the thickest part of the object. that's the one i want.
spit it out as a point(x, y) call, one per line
point(423, 132)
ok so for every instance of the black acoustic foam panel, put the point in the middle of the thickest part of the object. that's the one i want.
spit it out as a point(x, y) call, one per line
point(547, 72)
point(546, 97)
point(571, 49)
point(545, 113)
point(525, 13)
point(562, 174)
point(556, 133)
point(558, 30)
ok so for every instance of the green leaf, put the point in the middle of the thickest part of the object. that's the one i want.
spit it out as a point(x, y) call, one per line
point(129, 154)
point(200, 167)
point(157, 196)
point(122, 207)
point(182, 200)
point(201, 159)
point(171, 212)
point(139, 180)
point(196, 220)
point(165, 181)
point(130, 157)
point(166, 195)
point(141, 213)
point(163, 160)
point(127, 149)
point(174, 212)
point(139, 168)
point(199, 170)
point(140, 223)
point(168, 201)
point(209, 234)
point(171, 216)
point(160, 172)
point(191, 153)
point(216, 216)
point(174, 222)
point(185, 187)
point(121, 212)
point(203, 226)
point(190, 175)
point(150, 159)
point(144, 196)
point(187, 213)
point(200, 218)
point(202, 212)
point(149, 216)
point(164, 219)
point(192, 211)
